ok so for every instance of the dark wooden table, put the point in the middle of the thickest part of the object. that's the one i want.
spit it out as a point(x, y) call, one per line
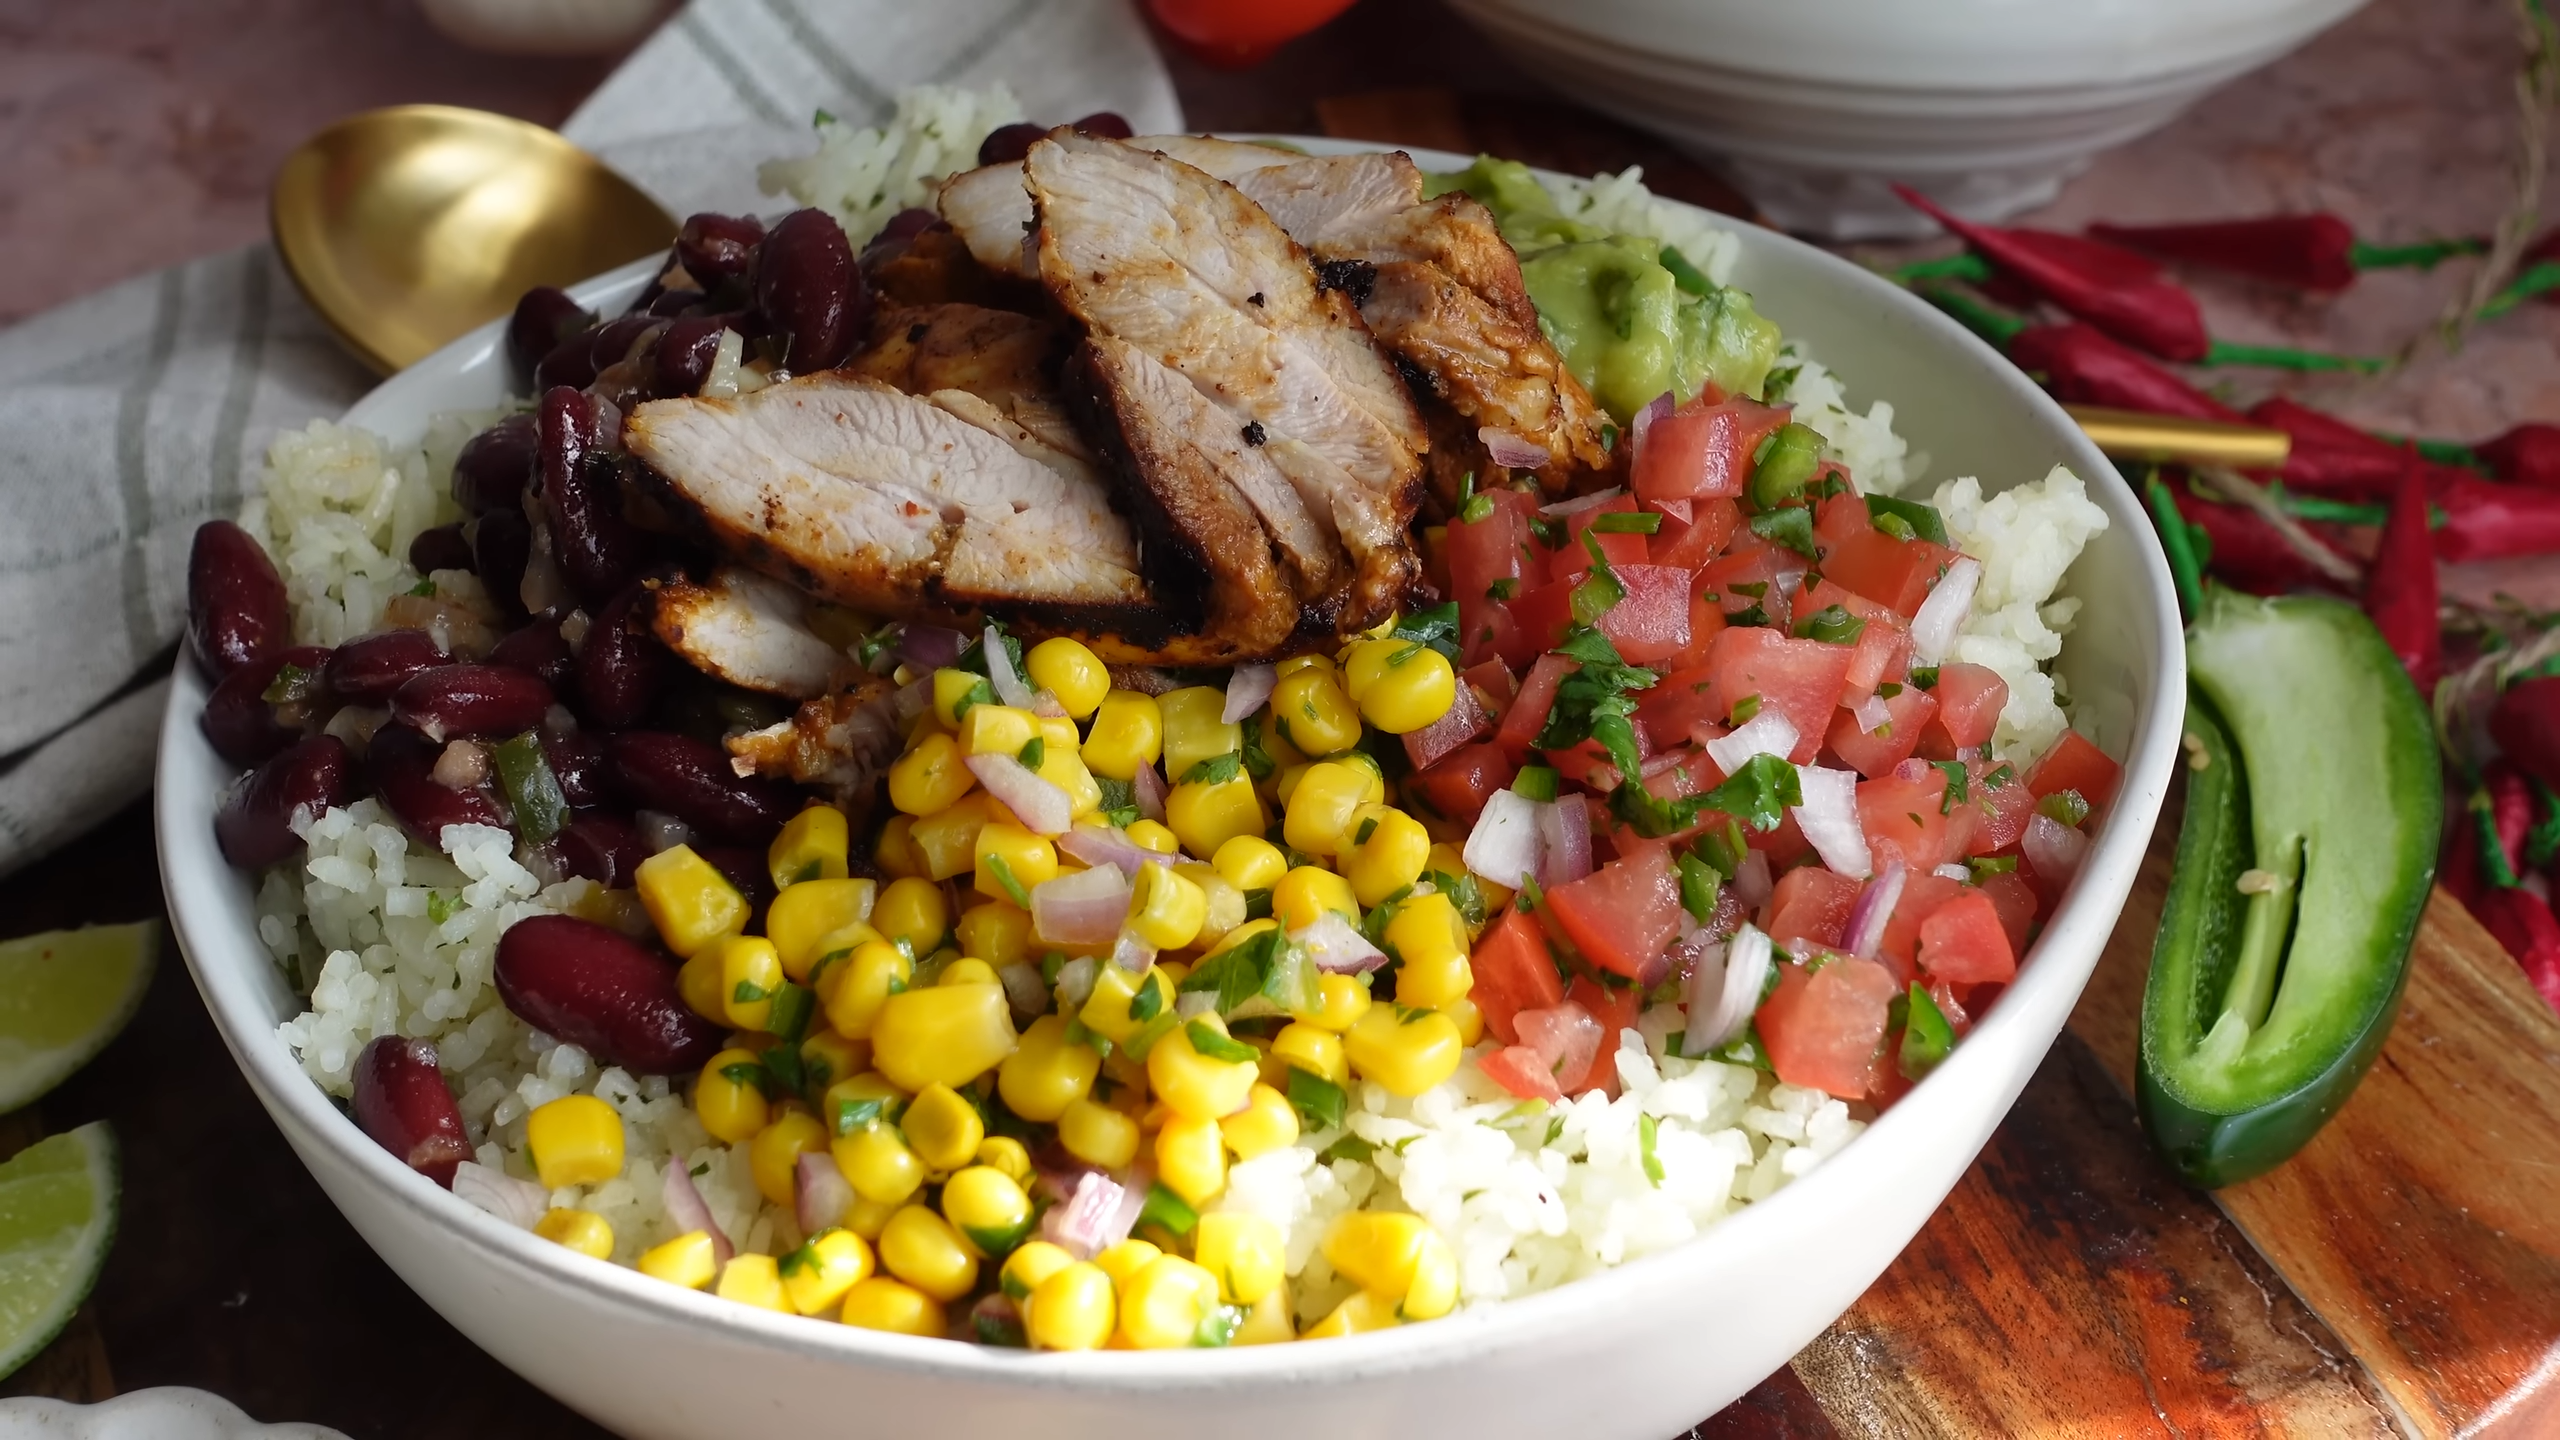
point(2400, 1278)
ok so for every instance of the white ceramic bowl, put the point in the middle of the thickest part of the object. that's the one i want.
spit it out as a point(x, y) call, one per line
point(1640, 1352)
point(1814, 106)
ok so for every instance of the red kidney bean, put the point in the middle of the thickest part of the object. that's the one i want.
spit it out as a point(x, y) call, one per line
point(811, 292)
point(622, 667)
point(895, 236)
point(235, 599)
point(243, 725)
point(745, 867)
point(685, 354)
point(691, 780)
point(401, 764)
point(1105, 123)
point(503, 546)
point(537, 648)
point(713, 248)
point(599, 550)
point(594, 988)
point(495, 466)
point(670, 304)
point(367, 671)
point(572, 362)
point(402, 1101)
point(543, 318)
point(451, 700)
point(577, 762)
point(604, 848)
point(255, 826)
point(1006, 144)
point(441, 548)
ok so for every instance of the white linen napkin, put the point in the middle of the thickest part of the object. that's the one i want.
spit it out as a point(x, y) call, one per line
point(132, 415)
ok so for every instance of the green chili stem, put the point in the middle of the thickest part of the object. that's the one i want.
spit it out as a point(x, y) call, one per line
point(1963, 265)
point(1991, 323)
point(2542, 277)
point(2175, 540)
point(2277, 357)
point(2425, 255)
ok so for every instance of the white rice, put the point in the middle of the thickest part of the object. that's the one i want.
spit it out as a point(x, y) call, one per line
point(864, 176)
point(2026, 538)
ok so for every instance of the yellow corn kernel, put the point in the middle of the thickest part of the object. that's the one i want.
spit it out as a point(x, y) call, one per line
point(1192, 730)
point(1434, 1291)
point(817, 1274)
point(1391, 856)
point(1070, 672)
point(804, 915)
point(1462, 1012)
point(996, 932)
point(880, 1303)
point(827, 1057)
point(1320, 809)
point(946, 842)
point(1407, 1051)
point(1011, 853)
point(690, 902)
point(1191, 1159)
point(1250, 862)
point(943, 1129)
point(1375, 792)
point(1435, 983)
point(1128, 731)
point(1072, 1308)
point(1004, 1153)
point(583, 1231)
point(1285, 785)
point(1264, 1124)
point(996, 730)
point(1206, 814)
point(1268, 1321)
point(913, 911)
point(950, 1033)
point(922, 1249)
point(1047, 1072)
point(1359, 1314)
point(687, 1260)
point(1377, 1250)
point(874, 972)
point(752, 1279)
point(1364, 662)
point(958, 969)
point(750, 972)
point(1245, 1252)
point(1114, 1010)
point(1150, 835)
point(1197, 1086)
point(1161, 1306)
point(930, 776)
point(894, 852)
point(1305, 893)
point(878, 1165)
point(1030, 1263)
point(1296, 663)
point(1098, 1135)
point(988, 1208)
point(812, 846)
point(868, 1217)
point(574, 1140)
point(1342, 1000)
point(1266, 726)
point(1314, 1049)
point(1124, 1260)
point(1061, 766)
point(1429, 940)
point(698, 981)
point(1233, 938)
point(1412, 693)
point(730, 1106)
point(1222, 903)
point(950, 687)
point(1165, 910)
point(1310, 708)
point(774, 1156)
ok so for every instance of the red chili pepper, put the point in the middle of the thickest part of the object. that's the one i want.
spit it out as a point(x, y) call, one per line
point(2313, 252)
point(2526, 725)
point(2079, 364)
point(2510, 810)
point(2330, 456)
point(2246, 552)
point(2116, 290)
point(2527, 455)
point(2492, 520)
point(2524, 924)
point(2400, 589)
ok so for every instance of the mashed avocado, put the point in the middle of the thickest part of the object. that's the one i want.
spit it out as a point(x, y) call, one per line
point(1631, 316)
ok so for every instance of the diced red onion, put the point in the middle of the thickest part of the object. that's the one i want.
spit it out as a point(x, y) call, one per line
point(1829, 818)
point(1564, 840)
point(1746, 970)
point(1952, 872)
point(685, 1207)
point(1752, 884)
point(1768, 733)
point(1147, 787)
point(1654, 409)
point(1667, 760)
point(661, 831)
point(1941, 617)
point(1131, 953)
point(1504, 845)
point(1871, 715)
point(1864, 934)
point(1075, 982)
point(1566, 1037)
point(1000, 673)
point(1085, 908)
point(1914, 768)
point(518, 1202)
point(1580, 503)
point(1084, 1224)
point(1193, 1004)
point(1510, 450)
point(1335, 944)
point(1657, 968)
point(930, 647)
point(1041, 806)
point(1107, 845)
point(1247, 687)
point(1023, 988)
point(2055, 849)
point(1046, 706)
point(819, 1191)
point(1700, 992)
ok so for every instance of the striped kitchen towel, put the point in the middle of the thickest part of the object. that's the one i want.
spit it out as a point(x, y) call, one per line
point(131, 416)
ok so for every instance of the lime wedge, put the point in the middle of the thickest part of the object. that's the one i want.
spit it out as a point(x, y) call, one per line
point(63, 995)
point(57, 1217)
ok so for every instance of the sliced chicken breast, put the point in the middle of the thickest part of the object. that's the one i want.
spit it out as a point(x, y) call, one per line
point(840, 743)
point(751, 631)
point(1005, 358)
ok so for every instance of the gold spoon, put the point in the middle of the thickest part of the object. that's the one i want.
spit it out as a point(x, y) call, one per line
point(2134, 435)
point(409, 226)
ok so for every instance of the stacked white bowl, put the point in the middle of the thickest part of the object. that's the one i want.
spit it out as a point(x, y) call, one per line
point(1814, 107)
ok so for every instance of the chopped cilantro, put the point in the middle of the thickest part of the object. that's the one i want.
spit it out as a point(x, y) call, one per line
point(1000, 868)
point(1758, 794)
point(1832, 625)
point(1599, 592)
point(1595, 701)
point(1216, 770)
point(1034, 751)
point(1791, 527)
point(1925, 676)
point(1957, 789)
point(1699, 883)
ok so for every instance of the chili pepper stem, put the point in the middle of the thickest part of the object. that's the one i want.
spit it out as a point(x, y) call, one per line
point(2425, 255)
point(2277, 357)
point(1963, 265)
point(1992, 324)
point(2177, 542)
point(2540, 279)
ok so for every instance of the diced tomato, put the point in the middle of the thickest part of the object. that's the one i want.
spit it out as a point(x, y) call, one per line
point(1616, 1008)
point(1784, 846)
point(1837, 519)
point(1969, 701)
point(1894, 573)
point(1798, 678)
point(1883, 648)
point(2075, 764)
point(1521, 1070)
point(1751, 561)
point(1494, 685)
point(1538, 621)
point(2001, 812)
point(1528, 713)
point(1623, 915)
point(1904, 816)
point(1964, 942)
point(1821, 1028)
point(1573, 558)
point(1565, 1038)
point(1464, 779)
point(1514, 971)
point(1811, 903)
point(1922, 894)
point(1699, 539)
point(1482, 555)
point(1652, 622)
point(1706, 619)
point(1692, 773)
point(2015, 899)
point(1875, 755)
point(1590, 766)
point(1703, 448)
point(1677, 702)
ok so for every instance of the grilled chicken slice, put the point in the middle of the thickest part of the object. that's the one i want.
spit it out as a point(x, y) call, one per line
point(1008, 359)
point(751, 631)
point(839, 743)
point(990, 207)
point(1180, 267)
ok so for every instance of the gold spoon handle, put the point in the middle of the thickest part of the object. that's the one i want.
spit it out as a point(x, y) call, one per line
point(2134, 435)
